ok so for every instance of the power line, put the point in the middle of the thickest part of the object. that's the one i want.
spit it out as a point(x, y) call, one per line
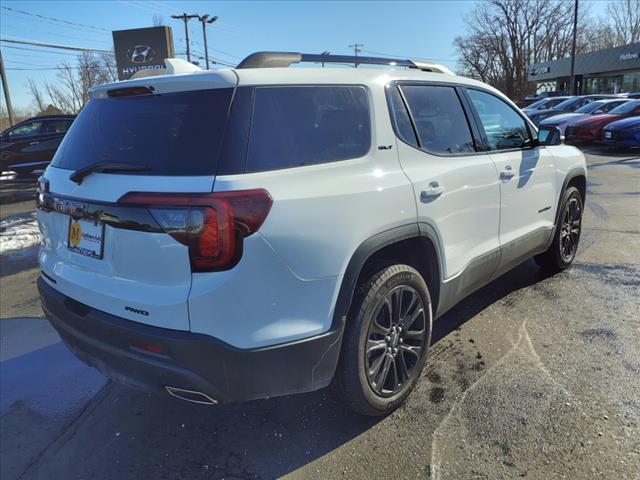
point(393, 55)
point(48, 53)
point(13, 27)
point(45, 17)
point(51, 45)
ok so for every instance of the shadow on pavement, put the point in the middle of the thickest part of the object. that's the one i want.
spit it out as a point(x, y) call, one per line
point(129, 434)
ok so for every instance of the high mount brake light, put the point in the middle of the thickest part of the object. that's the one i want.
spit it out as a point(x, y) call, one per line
point(129, 91)
point(212, 225)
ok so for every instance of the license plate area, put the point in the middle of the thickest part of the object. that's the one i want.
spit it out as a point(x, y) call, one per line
point(607, 134)
point(86, 237)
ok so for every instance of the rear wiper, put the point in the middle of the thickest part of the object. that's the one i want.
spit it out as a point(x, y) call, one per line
point(79, 174)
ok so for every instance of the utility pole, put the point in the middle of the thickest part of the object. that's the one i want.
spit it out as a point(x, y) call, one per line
point(5, 88)
point(326, 52)
point(356, 50)
point(204, 19)
point(573, 50)
point(185, 18)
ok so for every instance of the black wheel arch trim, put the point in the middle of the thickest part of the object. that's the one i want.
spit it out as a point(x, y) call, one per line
point(368, 248)
point(571, 174)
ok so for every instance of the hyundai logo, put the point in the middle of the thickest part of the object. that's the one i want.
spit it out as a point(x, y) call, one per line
point(141, 54)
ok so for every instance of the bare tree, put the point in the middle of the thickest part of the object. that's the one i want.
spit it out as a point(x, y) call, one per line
point(505, 36)
point(70, 92)
point(158, 20)
point(623, 18)
point(38, 97)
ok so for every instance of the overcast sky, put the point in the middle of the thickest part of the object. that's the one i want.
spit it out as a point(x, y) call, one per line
point(406, 29)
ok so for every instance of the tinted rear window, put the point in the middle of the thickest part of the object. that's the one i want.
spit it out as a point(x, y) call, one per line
point(171, 134)
point(302, 125)
point(440, 121)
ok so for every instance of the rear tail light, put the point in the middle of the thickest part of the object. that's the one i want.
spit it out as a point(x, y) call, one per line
point(212, 225)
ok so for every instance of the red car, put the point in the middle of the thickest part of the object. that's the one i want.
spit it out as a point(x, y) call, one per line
point(590, 128)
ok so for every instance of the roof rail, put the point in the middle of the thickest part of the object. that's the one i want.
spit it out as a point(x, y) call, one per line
point(286, 59)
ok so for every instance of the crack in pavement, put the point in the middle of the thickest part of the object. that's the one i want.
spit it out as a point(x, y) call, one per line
point(485, 411)
point(68, 431)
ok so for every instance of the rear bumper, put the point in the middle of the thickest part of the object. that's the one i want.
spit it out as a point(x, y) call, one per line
point(190, 361)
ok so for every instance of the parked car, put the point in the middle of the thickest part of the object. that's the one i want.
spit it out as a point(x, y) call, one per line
point(631, 95)
point(622, 133)
point(589, 129)
point(594, 108)
point(568, 106)
point(534, 97)
point(227, 235)
point(544, 104)
point(32, 143)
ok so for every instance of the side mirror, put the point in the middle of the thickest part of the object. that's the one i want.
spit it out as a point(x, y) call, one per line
point(550, 135)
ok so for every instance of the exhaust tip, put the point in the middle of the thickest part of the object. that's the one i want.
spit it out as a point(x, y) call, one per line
point(190, 396)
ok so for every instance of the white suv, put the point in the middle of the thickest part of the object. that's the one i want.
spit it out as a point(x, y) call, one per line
point(246, 233)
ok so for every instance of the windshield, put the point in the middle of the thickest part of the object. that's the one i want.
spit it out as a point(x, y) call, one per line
point(567, 103)
point(538, 104)
point(590, 107)
point(169, 134)
point(625, 108)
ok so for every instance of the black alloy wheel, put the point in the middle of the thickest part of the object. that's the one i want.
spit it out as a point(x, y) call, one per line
point(395, 341)
point(570, 229)
point(386, 340)
point(564, 245)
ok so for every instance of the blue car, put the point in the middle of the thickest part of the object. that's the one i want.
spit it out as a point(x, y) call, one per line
point(622, 133)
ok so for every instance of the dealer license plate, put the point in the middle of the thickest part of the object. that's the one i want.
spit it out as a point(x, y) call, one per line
point(86, 237)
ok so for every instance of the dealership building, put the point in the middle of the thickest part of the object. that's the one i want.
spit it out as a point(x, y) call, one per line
point(614, 70)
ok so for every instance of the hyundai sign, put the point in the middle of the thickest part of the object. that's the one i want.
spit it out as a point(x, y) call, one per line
point(142, 49)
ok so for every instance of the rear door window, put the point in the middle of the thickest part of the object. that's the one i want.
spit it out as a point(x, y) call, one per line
point(294, 126)
point(55, 126)
point(439, 119)
point(170, 134)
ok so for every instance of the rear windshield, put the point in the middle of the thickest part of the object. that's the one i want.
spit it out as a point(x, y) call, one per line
point(170, 134)
point(590, 107)
point(627, 107)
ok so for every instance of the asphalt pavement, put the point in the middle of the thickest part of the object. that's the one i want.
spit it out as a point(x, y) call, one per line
point(531, 377)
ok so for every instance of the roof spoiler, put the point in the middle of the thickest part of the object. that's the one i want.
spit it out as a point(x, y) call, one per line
point(286, 59)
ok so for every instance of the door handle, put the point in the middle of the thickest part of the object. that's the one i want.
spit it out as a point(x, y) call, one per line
point(507, 173)
point(34, 143)
point(432, 191)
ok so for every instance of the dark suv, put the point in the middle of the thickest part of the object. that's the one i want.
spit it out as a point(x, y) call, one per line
point(32, 143)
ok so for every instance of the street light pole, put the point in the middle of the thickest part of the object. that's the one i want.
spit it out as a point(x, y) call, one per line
point(204, 19)
point(185, 18)
point(573, 50)
point(5, 88)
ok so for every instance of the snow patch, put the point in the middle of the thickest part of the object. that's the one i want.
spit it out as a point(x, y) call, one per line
point(18, 232)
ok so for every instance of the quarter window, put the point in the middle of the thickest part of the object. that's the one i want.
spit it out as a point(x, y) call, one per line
point(299, 125)
point(504, 127)
point(439, 119)
point(401, 117)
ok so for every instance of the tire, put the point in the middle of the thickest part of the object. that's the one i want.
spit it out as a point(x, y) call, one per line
point(564, 247)
point(375, 336)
